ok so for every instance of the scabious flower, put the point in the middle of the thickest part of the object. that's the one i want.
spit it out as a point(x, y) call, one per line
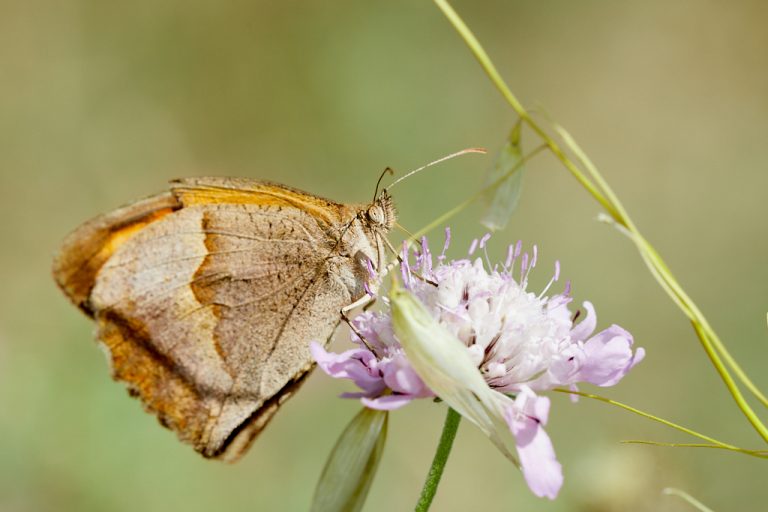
point(518, 341)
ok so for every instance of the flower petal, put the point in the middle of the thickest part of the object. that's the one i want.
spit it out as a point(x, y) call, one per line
point(355, 364)
point(586, 326)
point(564, 369)
point(387, 402)
point(526, 417)
point(400, 377)
point(609, 357)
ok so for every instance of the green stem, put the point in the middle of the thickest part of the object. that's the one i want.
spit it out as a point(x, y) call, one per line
point(730, 384)
point(490, 69)
point(670, 491)
point(664, 275)
point(601, 191)
point(452, 419)
point(754, 453)
point(668, 423)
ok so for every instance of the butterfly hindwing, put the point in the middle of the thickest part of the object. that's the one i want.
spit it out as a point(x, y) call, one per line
point(207, 298)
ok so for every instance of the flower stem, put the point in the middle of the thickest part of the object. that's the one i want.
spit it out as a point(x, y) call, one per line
point(451, 426)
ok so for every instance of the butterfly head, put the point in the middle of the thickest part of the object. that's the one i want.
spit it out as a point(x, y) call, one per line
point(381, 214)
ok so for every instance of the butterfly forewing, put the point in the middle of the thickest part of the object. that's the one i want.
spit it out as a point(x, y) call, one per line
point(208, 310)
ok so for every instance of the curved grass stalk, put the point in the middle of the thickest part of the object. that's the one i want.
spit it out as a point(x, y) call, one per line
point(665, 277)
point(603, 194)
point(712, 442)
point(671, 491)
point(490, 69)
point(755, 453)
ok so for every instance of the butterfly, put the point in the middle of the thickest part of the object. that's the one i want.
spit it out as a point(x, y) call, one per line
point(207, 296)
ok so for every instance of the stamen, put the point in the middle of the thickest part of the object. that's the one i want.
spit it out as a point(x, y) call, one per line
point(426, 266)
point(510, 255)
point(524, 279)
point(473, 246)
point(523, 270)
point(515, 254)
point(419, 254)
point(484, 247)
point(404, 265)
point(551, 281)
point(447, 243)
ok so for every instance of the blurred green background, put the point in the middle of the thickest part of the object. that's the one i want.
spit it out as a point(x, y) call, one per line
point(103, 102)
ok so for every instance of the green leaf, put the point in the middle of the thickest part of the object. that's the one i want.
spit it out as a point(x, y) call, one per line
point(507, 174)
point(351, 466)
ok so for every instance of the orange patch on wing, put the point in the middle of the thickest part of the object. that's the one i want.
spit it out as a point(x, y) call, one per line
point(119, 236)
point(263, 195)
point(153, 377)
point(86, 250)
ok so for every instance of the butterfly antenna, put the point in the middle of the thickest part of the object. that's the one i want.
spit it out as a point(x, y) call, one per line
point(439, 160)
point(386, 171)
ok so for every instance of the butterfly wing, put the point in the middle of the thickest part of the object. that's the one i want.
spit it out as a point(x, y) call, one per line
point(207, 312)
point(85, 250)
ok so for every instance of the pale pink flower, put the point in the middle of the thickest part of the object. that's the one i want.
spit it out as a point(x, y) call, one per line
point(521, 342)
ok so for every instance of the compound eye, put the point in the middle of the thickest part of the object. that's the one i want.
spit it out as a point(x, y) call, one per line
point(376, 214)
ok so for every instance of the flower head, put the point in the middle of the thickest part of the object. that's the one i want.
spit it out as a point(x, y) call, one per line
point(517, 343)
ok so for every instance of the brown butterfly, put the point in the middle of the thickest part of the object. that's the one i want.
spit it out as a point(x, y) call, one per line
point(206, 297)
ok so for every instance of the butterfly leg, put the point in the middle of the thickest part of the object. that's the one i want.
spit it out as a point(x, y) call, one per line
point(365, 301)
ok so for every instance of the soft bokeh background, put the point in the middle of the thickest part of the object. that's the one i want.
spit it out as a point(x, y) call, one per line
point(103, 102)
